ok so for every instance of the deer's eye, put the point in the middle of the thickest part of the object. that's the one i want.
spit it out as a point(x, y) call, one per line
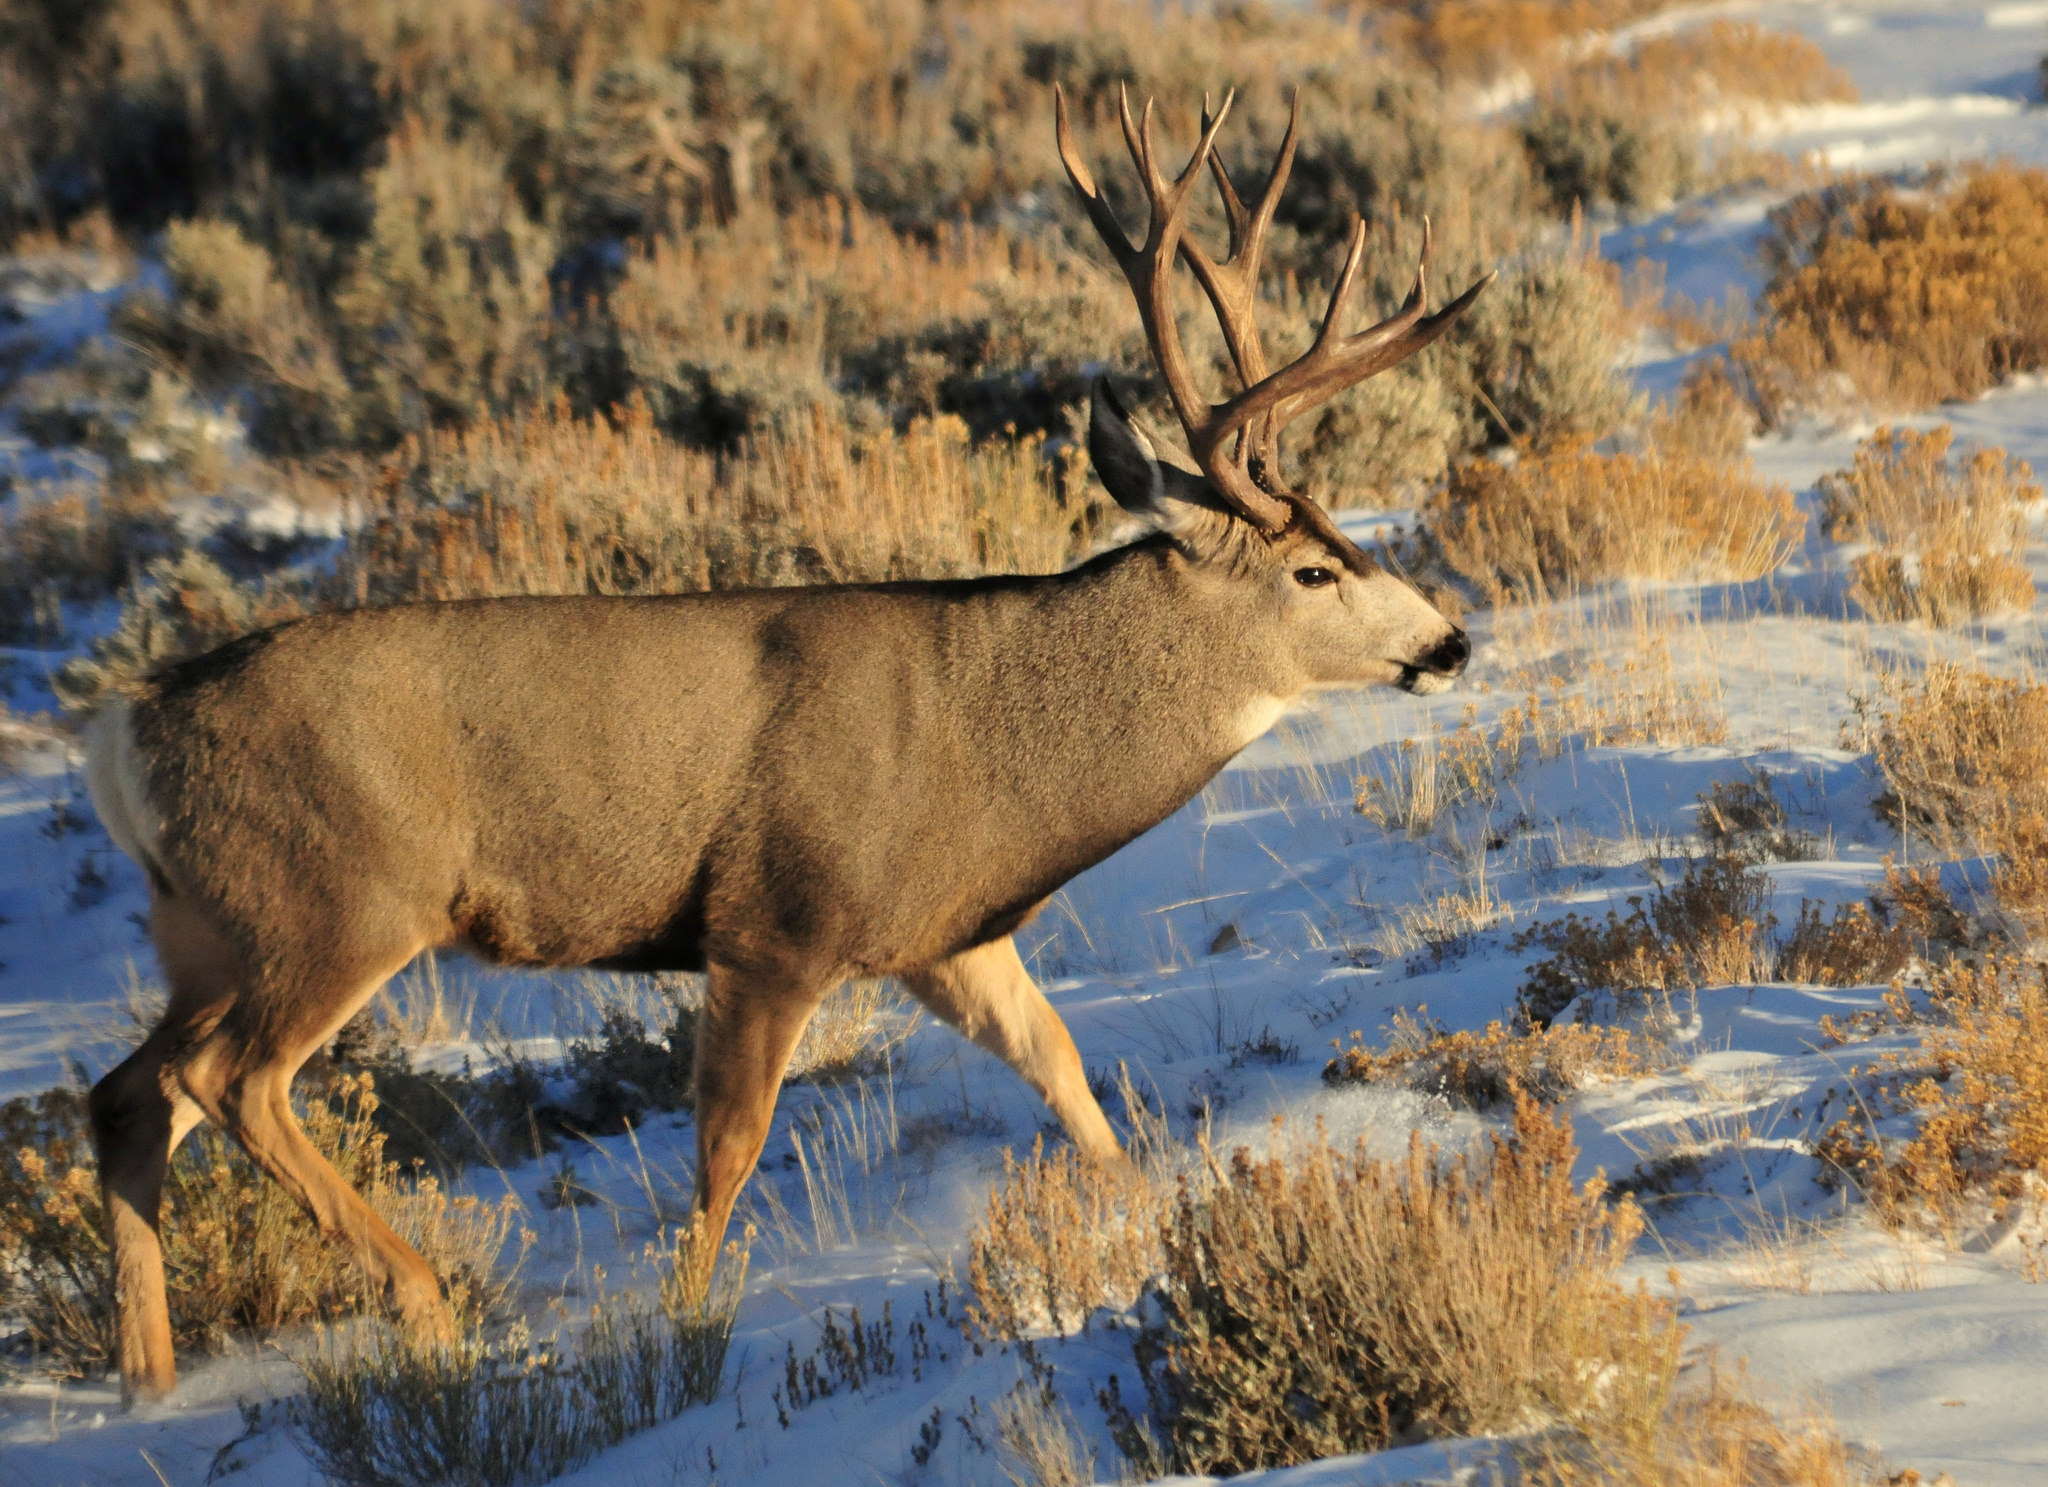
point(1314, 578)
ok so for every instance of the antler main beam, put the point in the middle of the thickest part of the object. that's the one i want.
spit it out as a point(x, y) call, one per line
point(1237, 442)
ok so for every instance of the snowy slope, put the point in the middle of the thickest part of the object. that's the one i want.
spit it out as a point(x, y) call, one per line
point(1934, 1360)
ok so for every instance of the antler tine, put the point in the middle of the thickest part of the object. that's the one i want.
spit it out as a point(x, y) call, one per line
point(1233, 286)
point(1099, 211)
point(1336, 361)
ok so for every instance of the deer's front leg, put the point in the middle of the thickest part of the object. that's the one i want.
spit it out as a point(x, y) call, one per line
point(749, 1028)
point(988, 995)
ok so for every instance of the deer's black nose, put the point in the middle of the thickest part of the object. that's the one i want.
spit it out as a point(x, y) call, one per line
point(1449, 656)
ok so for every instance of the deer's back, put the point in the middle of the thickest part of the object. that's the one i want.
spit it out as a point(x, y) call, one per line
point(618, 781)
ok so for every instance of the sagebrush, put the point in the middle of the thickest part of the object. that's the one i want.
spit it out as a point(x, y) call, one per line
point(1965, 762)
point(1899, 295)
point(1946, 544)
point(1319, 1302)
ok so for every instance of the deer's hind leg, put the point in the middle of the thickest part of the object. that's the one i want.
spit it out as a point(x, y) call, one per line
point(988, 995)
point(140, 1112)
point(241, 1077)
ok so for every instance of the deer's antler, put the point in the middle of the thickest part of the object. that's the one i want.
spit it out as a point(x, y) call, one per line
point(1237, 442)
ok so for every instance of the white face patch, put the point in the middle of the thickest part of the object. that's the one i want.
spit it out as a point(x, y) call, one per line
point(1259, 715)
point(1429, 683)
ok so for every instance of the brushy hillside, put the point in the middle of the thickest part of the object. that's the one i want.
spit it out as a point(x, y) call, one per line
point(766, 253)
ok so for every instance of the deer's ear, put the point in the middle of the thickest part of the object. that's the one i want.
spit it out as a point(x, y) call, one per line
point(1176, 500)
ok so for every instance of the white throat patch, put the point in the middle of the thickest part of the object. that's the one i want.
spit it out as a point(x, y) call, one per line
point(1256, 719)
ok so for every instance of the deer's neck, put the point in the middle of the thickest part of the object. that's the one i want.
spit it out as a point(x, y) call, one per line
point(1132, 681)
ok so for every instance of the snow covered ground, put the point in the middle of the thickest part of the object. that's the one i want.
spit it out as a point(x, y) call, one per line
point(1933, 1359)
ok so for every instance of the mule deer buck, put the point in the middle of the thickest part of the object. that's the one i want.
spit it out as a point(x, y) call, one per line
point(780, 787)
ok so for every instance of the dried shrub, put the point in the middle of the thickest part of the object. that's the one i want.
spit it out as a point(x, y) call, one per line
point(1483, 40)
point(239, 1254)
point(1537, 359)
point(1063, 1235)
point(444, 316)
point(1965, 761)
point(1888, 297)
point(1321, 1302)
point(231, 324)
point(1859, 945)
point(624, 1069)
point(1711, 927)
point(389, 1412)
point(1947, 544)
point(1746, 819)
point(1481, 1070)
point(1635, 128)
point(177, 607)
point(1977, 1089)
point(73, 543)
point(1546, 524)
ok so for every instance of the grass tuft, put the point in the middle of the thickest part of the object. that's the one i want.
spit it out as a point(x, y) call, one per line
point(1548, 524)
point(1965, 762)
point(389, 1412)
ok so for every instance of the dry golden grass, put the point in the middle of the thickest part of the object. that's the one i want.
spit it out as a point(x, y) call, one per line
point(1965, 761)
point(1037, 1443)
point(1889, 298)
point(1494, 1067)
point(553, 504)
point(1714, 1433)
point(1644, 699)
point(1947, 543)
point(854, 1032)
point(1440, 926)
point(556, 504)
point(1547, 524)
point(1978, 1086)
point(239, 1254)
